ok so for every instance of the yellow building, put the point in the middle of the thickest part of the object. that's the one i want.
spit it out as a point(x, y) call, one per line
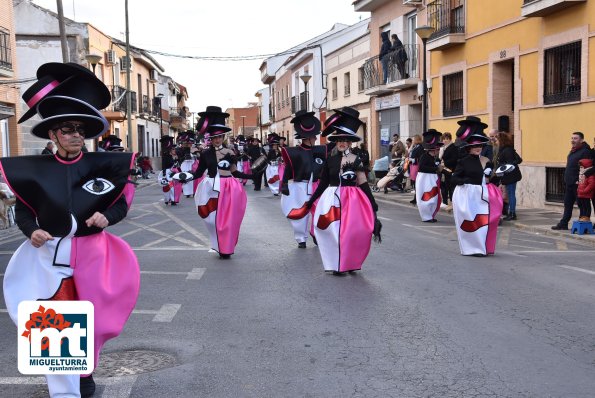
point(523, 66)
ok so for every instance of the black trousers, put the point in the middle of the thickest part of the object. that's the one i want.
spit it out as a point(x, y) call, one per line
point(257, 181)
point(447, 188)
point(569, 201)
point(584, 206)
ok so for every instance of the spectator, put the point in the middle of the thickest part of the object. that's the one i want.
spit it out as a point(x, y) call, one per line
point(507, 155)
point(494, 141)
point(579, 150)
point(49, 149)
point(399, 56)
point(449, 156)
point(397, 148)
point(586, 189)
point(385, 55)
point(146, 167)
point(364, 155)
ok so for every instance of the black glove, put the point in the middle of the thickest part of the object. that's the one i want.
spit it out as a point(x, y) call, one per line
point(285, 190)
point(377, 229)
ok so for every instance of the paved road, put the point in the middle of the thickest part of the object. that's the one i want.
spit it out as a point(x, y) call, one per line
point(418, 321)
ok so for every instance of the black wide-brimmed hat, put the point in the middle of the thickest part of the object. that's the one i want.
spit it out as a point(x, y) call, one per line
point(343, 124)
point(212, 116)
point(305, 124)
point(273, 138)
point(432, 139)
point(70, 80)
point(110, 141)
point(57, 109)
point(469, 126)
point(475, 140)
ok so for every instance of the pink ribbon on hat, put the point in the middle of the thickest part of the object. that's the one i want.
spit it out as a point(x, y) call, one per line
point(307, 129)
point(433, 140)
point(204, 126)
point(466, 133)
point(332, 119)
point(42, 93)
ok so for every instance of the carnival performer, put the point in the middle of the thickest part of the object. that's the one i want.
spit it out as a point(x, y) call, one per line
point(220, 199)
point(275, 159)
point(186, 167)
point(477, 204)
point(345, 220)
point(243, 159)
point(303, 164)
point(167, 185)
point(64, 203)
point(427, 183)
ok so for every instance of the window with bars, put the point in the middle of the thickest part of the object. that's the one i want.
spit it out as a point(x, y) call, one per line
point(5, 54)
point(562, 78)
point(334, 88)
point(452, 94)
point(360, 79)
point(347, 84)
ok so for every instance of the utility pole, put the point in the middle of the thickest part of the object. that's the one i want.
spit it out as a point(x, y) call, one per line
point(128, 93)
point(64, 43)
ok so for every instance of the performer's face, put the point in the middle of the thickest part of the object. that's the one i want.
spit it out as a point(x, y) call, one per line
point(309, 141)
point(69, 137)
point(475, 150)
point(217, 141)
point(342, 146)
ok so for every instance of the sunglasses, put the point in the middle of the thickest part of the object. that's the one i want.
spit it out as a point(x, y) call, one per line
point(71, 129)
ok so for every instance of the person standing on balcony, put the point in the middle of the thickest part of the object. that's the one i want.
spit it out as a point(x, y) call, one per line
point(579, 150)
point(384, 56)
point(399, 56)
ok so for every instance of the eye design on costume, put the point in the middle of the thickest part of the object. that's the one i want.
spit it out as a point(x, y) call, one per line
point(164, 181)
point(348, 176)
point(224, 164)
point(318, 160)
point(98, 186)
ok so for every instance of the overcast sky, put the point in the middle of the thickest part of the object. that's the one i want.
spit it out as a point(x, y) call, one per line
point(213, 28)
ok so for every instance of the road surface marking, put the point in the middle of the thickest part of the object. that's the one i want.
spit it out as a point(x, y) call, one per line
point(140, 249)
point(555, 251)
point(155, 242)
point(164, 234)
point(166, 313)
point(115, 387)
point(586, 271)
point(140, 229)
point(196, 273)
point(182, 224)
point(384, 218)
point(504, 237)
point(524, 247)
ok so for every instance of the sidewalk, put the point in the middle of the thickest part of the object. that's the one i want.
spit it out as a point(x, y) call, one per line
point(537, 221)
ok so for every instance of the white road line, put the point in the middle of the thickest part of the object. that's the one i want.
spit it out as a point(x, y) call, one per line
point(524, 247)
point(504, 237)
point(384, 218)
point(196, 273)
point(182, 224)
point(140, 229)
point(115, 387)
point(164, 234)
point(155, 242)
point(167, 312)
point(586, 271)
point(561, 245)
point(554, 251)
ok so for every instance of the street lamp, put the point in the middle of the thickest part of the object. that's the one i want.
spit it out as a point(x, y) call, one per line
point(424, 33)
point(160, 96)
point(243, 125)
point(306, 78)
point(93, 59)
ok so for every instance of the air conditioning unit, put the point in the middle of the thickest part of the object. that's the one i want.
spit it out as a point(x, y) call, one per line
point(125, 64)
point(153, 75)
point(110, 57)
point(412, 2)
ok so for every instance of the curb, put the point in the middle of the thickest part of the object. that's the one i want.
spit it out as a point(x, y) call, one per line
point(549, 232)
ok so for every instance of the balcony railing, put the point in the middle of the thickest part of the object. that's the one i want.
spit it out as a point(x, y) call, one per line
point(179, 111)
point(295, 104)
point(119, 99)
point(395, 66)
point(146, 106)
point(304, 100)
point(447, 17)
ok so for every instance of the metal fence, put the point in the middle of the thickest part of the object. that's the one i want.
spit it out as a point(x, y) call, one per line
point(554, 184)
point(446, 17)
point(562, 77)
point(119, 99)
point(396, 65)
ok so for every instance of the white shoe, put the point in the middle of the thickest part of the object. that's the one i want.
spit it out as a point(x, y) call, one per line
point(443, 206)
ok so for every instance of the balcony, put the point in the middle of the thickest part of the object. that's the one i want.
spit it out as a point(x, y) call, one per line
point(541, 8)
point(145, 109)
point(401, 71)
point(117, 109)
point(178, 118)
point(448, 18)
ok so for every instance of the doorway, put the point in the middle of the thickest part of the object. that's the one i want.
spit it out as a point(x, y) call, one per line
point(389, 125)
point(503, 96)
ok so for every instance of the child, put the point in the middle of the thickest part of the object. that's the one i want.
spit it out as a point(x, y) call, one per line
point(586, 188)
point(385, 181)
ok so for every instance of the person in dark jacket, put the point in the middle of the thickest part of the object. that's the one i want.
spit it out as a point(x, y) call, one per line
point(450, 156)
point(414, 155)
point(255, 151)
point(580, 150)
point(399, 56)
point(384, 55)
point(49, 149)
point(507, 155)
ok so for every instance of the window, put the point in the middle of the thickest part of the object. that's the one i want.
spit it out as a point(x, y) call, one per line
point(5, 54)
point(562, 78)
point(452, 94)
point(360, 79)
point(334, 88)
point(347, 83)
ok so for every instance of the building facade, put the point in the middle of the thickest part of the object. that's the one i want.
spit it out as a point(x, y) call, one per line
point(245, 121)
point(10, 132)
point(525, 67)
